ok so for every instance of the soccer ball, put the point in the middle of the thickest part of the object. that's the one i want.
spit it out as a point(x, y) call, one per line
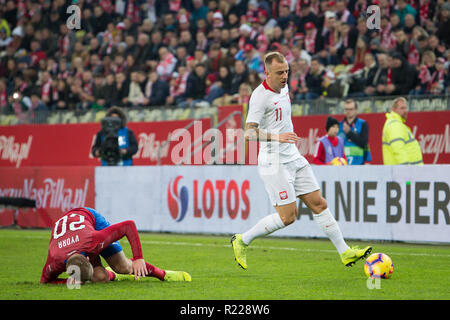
point(338, 162)
point(379, 265)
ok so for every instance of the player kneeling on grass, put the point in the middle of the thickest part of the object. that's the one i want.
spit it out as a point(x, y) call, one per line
point(81, 235)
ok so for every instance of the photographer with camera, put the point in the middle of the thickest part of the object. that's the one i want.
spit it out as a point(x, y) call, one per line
point(115, 144)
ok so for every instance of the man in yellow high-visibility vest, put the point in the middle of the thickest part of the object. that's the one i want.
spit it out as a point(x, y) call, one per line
point(399, 144)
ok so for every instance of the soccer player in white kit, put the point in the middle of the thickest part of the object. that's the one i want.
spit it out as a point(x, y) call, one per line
point(285, 172)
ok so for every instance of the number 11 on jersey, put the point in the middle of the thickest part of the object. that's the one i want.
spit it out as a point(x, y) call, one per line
point(279, 114)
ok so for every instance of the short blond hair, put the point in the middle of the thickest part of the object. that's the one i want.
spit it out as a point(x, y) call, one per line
point(397, 100)
point(83, 264)
point(275, 55)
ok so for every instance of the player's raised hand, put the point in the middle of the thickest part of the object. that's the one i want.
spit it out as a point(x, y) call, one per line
point(138, 268)
point(288, 137)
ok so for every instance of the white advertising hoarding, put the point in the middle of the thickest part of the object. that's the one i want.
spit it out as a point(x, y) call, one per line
point(402, 203)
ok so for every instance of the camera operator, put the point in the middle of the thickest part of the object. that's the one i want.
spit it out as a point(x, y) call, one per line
point(115, 144)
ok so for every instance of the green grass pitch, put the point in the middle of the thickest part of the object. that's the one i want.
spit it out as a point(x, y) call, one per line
point(279, 269)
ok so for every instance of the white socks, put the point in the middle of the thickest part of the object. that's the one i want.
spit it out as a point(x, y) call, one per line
point(273, 222)
point(329, 226)
point(264, 226)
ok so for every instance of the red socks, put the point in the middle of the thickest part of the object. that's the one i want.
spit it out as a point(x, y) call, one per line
point(111, 275)
point(155, 271)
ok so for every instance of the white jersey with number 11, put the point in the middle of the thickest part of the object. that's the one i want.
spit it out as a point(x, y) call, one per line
point(272, 112)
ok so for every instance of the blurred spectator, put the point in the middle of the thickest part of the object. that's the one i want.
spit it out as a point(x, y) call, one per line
point(330, 147)
point(166, 65)
point(251, 57)
point(38, 108)
point(195, 87)
point(99, 92)
point(380, 78)
point(266, 23)
point(156, 90)
point(110, 89)
point(410, 23)
point(330, 34)
point(347, 39)
point(306, 15)
point(313, 39)
point(438, 77)
point(401, 76)
point(297, 82)
point(435, 45)
point(363, 81)
point(314, 80)
point(241, 97)
point(254, 79)
point(222, 86)
point(46, 87)
point(135, 92)
point(361, 49)
point(187, 41)
point(120, 97)
point(343, 14)
point(286, 18)
point(401, 42)
point(298, 51)
point(199, 11)
point(426, 68)
point(177, 88)
point(443, 31)
point(156, 40)
point(3, 96)
point(60, 95)
point(143, 52)
point(355, 133)
point(240, 76)
point(403, 9)
point(74, 96)
point(5, 40)
point(215, 59)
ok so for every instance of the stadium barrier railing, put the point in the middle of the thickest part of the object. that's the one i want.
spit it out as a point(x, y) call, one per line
point(167, 113)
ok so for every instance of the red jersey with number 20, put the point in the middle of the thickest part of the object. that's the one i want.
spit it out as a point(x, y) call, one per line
point(75, 233)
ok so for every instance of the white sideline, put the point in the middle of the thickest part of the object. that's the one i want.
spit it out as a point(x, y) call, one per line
point(227, 245)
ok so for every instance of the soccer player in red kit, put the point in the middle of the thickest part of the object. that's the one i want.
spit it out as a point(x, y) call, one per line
point(82, 234)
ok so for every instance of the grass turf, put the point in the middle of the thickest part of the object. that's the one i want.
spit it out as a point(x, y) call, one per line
point(279, 269)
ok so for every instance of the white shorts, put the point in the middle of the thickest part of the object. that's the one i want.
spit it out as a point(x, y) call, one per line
point(286, 181)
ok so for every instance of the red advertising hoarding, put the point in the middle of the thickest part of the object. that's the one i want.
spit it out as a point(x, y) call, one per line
point(70, 144)
point(431, 129)
point(55, 190)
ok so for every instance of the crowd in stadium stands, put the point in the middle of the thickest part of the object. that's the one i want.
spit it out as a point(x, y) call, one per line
point(198, 53)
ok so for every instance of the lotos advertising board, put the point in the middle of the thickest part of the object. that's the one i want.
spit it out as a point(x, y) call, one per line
point(401, 203)
point(208, 199)
point(55, 189)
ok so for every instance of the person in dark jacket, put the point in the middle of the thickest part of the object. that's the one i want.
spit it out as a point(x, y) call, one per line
point(314, 80)
point(363, 83)
point(401, 76)
point(240, 76)
point(156, 90)
point(195, 86)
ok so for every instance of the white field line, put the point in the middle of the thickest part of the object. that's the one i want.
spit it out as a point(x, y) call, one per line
point(197, 244)
point(227, 245)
